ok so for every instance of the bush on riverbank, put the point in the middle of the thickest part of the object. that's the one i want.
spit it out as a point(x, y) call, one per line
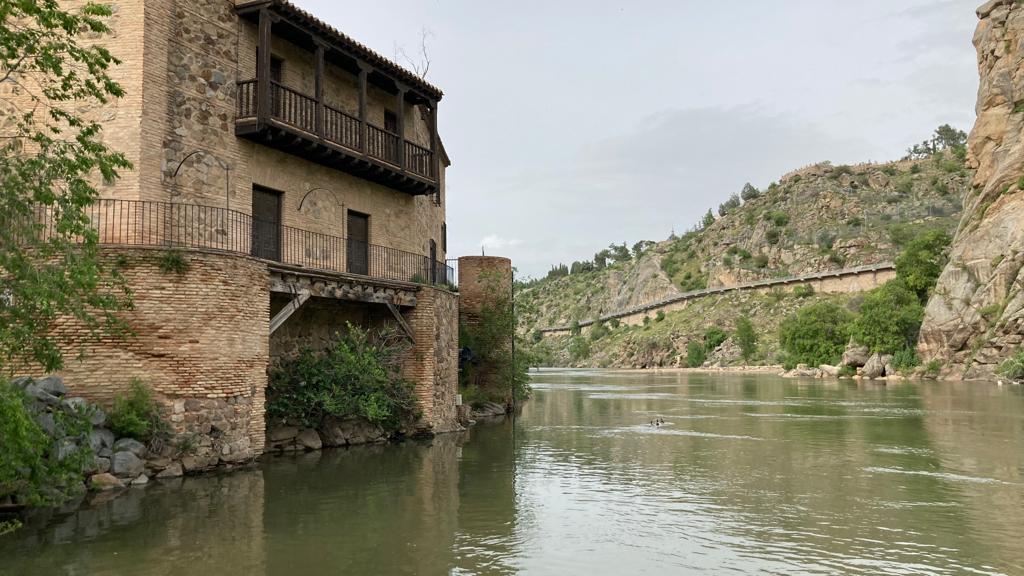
point(1013, 368)
point(889, 319)
point(358, 375)
point(815, 334)
point(40, 468)
point(136, 415)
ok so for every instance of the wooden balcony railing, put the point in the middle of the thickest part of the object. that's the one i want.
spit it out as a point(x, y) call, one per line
point(298, 110)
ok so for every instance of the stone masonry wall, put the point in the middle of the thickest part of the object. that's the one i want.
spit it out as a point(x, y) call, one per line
point(195, 51)
point(198, 340)
point(433, 363)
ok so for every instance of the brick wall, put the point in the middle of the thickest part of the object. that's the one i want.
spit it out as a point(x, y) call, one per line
point(199, 340)
point(315, 324)
point(433, 363)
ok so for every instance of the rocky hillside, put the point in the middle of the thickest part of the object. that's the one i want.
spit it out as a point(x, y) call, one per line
point(822, 217)
point(975, 320)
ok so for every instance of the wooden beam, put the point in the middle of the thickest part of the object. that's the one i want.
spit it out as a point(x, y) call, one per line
point(364, 71)
point(263, 106)
point(319, 86)
point(288, 310)
point(401, 322)
point(435, 144)
point(400, 114)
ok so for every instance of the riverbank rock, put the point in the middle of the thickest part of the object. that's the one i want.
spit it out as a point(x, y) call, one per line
point(875, 366)
point(175, 470)
point(309, 439)
point(830, 371)
point(126, 465)
point(130, 445)
point(104, 481)
point(488, 410)
point(855, 355)
point(350, 431)
point(804, 371)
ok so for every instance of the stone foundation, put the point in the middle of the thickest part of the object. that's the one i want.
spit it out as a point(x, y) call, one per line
point(198, 340)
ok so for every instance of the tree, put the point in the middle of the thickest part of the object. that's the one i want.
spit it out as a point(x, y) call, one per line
point(749, 192)
point(816, 334)
point(921, 262)
point(696, 354)
point(708, 219)
point(947, 137)
point(746, 338)
point(50, 159)
point(890, 318)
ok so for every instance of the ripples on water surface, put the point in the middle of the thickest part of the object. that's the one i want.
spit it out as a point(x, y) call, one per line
point(749, 474)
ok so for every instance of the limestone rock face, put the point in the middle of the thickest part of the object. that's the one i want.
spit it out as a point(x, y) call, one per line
point(855, 355)
point(975, 319)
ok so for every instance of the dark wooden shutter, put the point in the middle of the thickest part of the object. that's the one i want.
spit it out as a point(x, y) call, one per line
point(358, 243)
point(266, 224)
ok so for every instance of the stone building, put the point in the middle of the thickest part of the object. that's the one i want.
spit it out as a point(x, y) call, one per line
point(296, 180)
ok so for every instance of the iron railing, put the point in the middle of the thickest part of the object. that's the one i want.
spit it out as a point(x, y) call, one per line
point(175, 225)
point(291, 107)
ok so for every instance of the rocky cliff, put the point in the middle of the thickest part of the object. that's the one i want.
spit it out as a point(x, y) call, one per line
point(975, 319)
point(818, 218)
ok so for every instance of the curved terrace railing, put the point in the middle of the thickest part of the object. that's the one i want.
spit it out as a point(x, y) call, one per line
point(174, 225)
point(885, 266)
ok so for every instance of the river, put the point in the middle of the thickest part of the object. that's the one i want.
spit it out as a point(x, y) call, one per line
point(748, 474)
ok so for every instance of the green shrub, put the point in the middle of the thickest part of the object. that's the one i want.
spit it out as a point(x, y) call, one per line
point(816, 334)
point(746, 338)
point(574, 327)
point(727, 262)
point(647, 320)
point(614, 323)
point(760, 261)
point(847, 371)
point(921, 262)
point(357, 376)
point(136, 415)
point(906, 360)
point(890, 318)
point(772, 236)
point(173, 261)
point(579, 349)
point(855, 222)
point(30, 471)
point(803, 291)
point(1013, 368)
point(598, 331)
point(696, 354)
point(932, 369)
point(660, 316)
point(778, 218)
point(905, 183)
point(826, 240)
point(713, 338)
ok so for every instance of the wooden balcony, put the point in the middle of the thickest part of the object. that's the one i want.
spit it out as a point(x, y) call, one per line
point(298, 123)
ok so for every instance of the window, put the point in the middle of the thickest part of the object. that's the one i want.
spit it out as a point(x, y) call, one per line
point(276, 69)
point(444, 238)
point(390, 121)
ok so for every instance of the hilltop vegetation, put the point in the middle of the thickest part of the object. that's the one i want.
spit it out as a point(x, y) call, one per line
point(819, 218)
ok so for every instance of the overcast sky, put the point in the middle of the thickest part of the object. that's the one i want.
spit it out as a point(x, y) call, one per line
point(575, 123)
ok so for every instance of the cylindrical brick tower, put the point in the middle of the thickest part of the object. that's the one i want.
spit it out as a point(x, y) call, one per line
point(485, 292)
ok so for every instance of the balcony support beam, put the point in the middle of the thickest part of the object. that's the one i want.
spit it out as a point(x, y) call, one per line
point(435, 145)
point(364, 72)
point(318, 76)
point(263, 104)
point(400, 114)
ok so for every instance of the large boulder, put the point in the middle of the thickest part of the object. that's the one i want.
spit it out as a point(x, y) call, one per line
point(875, 366)
point(101, 438)
point(855, 355)
point(309, 439)
point(52, 385)
point(130, 445)
point(127, 465)
point(105, 481)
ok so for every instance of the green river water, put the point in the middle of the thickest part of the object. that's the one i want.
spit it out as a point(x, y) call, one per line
point(749, 474)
